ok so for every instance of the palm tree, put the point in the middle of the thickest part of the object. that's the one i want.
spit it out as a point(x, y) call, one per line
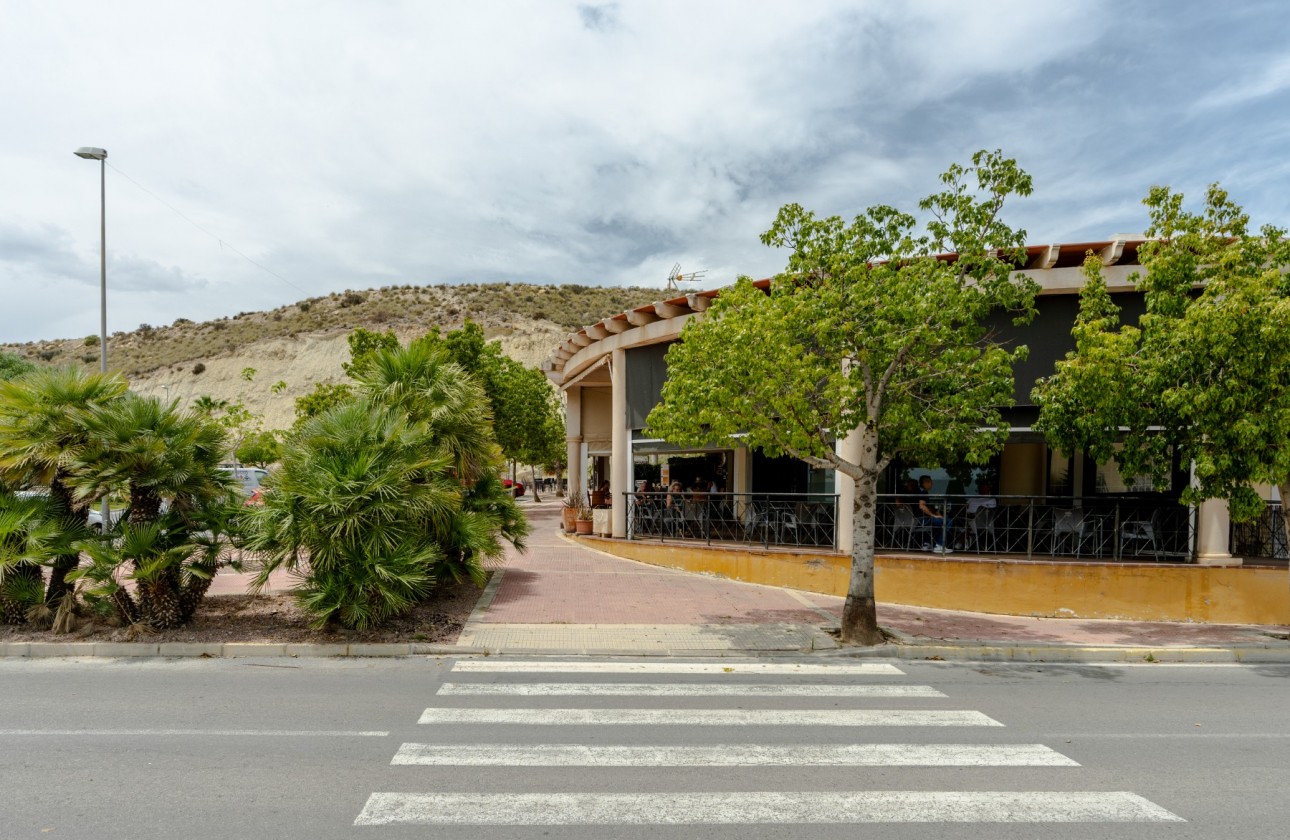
point(382, 497)
point(28, 540)
point(43, 430)
point(167, 462)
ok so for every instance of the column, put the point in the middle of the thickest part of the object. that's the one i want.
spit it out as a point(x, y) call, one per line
point(1213, 530)
point(620, 462)
point(848, 449)
point(573, 442)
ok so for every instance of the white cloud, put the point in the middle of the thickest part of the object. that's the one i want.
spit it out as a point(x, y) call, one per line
point(348, 145)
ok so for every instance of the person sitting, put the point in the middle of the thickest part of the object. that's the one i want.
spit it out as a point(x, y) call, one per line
point(932, 517)
point(982, 499)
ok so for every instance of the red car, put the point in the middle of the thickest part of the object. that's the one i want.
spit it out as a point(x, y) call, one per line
point(519, 486)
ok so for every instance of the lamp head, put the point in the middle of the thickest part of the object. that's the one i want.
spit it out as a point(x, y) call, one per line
point(91, 153)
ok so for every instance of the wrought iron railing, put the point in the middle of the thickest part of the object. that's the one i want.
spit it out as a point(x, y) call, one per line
point(1040, 526)
point(766, 519)
point(1263, 537)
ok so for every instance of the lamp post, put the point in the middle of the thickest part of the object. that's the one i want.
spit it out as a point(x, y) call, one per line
point(92, 153)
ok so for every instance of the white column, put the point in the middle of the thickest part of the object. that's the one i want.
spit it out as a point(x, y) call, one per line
point(573, 442)
point(848, 449)
point(1213, 525)
point(620, 463)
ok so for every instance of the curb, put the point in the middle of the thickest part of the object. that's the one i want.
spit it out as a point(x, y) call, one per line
point(909, 651)
point(229, 650)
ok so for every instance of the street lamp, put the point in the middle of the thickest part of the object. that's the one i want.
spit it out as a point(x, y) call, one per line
point(92, 153)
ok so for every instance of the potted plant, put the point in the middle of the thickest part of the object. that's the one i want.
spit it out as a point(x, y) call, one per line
point(569, 513)
point(582, 521)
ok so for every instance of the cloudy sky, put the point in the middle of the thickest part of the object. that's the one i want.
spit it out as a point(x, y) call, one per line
point(359, 144)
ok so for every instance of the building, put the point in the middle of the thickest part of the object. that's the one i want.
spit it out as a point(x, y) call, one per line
point(1047, 502)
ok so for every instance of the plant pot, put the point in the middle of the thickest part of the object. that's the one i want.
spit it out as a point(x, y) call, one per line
point(569, 516)
point(583, 526)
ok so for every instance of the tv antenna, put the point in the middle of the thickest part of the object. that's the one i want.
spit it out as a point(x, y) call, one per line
point(675, 278)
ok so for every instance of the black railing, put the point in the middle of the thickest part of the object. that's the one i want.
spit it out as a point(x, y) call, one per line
point(766, 519)
point(1043, 526)
point(1263, 537)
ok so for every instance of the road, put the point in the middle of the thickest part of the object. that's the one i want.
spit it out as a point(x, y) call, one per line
point(729, 749)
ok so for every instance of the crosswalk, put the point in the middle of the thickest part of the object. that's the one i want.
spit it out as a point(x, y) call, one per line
point(511, 702)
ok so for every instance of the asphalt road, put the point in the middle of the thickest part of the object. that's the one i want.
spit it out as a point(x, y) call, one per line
point(417, 748)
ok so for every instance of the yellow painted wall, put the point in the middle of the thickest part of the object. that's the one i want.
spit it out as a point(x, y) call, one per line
point(1141, 592)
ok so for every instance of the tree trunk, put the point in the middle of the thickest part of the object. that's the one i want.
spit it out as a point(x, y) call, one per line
point(73, 517)
point(860, 611)
point(533, 478)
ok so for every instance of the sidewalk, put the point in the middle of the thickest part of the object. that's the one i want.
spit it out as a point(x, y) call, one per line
point(560, 597)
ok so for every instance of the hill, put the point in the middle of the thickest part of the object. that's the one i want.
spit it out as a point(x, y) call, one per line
point(303, 344)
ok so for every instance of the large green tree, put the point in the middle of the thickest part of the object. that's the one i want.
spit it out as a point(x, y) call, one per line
point(866, 332)
point(1204, 376)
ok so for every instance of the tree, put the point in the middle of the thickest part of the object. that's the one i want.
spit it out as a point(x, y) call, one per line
point(866, 330)
point(167, 463)
point(388, 494)
point(1205, 374)
point(324, 396)
point(44, 431)
point(259, 449)
point(526, 415)
point(12, 366)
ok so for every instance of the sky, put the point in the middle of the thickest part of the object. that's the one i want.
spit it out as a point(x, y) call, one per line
point(263, 152)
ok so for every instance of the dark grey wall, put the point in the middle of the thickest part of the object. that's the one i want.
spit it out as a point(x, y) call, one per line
point(646, 373)
point(1048, 336)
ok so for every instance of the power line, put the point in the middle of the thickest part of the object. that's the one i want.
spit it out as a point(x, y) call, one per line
point(222, 242)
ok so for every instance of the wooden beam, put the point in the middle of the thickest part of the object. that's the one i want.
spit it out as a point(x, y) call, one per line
point(698, 303)
point(579, 339)
point(667, 310)
point(615, 326)
point(1111, 253)
point(596, 332)
point(639, 319)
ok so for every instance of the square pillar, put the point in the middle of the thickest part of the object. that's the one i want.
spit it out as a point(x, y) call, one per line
point(573, 442)
point(620, 461)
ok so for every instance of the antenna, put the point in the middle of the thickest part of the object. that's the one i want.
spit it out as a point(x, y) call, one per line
point(675, 278)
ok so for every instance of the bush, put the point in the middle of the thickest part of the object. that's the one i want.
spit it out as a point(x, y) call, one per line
point(91, 341)
point(199, 368)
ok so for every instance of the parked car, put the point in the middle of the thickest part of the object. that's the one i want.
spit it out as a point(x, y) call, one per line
point(249, 477)
point(95, 516)
point(518, 485)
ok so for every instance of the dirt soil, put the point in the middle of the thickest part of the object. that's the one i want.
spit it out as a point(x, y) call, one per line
point(275, 618)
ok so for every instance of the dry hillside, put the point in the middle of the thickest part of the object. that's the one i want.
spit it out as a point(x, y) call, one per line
point(304, 343)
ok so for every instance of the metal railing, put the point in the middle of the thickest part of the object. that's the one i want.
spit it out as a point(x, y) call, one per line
point(1041, 526)
point(1262, 537)
point(766, 519)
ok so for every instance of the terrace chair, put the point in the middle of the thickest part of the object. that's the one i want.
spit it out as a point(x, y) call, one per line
point(1142, 530)
point(903, 519)
point(1068, 523)
point(981, 529)
point(756, 522)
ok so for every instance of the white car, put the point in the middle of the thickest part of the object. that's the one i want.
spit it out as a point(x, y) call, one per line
point(95, 516)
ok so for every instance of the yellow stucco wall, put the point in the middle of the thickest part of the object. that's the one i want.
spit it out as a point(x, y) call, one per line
point(1143, 592)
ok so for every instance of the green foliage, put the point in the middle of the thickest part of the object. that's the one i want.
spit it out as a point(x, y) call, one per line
point(387, 493)
point(259, 449)
point(866, 330)
point(1204, 376)
point(362, 344)
point(12, 366)
point(167, 463)
point(323, 397)
point(28, 541)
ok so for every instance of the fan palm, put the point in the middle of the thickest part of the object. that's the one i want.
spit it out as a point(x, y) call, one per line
point(28, 540)
point(43, 430)
point(167, 462)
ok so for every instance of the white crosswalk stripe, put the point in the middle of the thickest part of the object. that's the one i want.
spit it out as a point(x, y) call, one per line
point(682, 690)
point(764, 807)
point(849, 669)
point(707, 717)
point(734, 755)
point(508, 692)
